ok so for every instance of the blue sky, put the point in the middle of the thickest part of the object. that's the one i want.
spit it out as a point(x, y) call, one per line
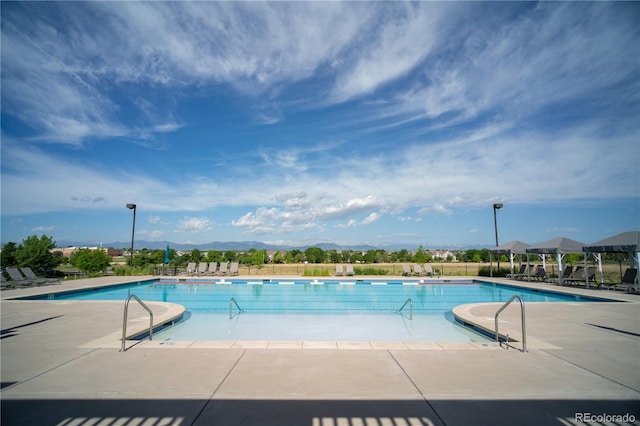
point(300, 123)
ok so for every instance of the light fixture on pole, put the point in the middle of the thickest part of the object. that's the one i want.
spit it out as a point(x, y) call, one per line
point(133, 229)
point(496, 206)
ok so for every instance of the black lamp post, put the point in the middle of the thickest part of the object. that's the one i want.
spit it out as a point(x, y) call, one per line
point(133, 228)
point(496, 206)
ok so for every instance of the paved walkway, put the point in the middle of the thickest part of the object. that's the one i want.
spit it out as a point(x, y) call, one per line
point(61, 365)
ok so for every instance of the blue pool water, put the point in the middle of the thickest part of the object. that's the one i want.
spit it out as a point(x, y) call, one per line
point(318, 309)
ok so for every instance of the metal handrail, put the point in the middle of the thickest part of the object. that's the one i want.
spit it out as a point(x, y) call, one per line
point(524, 330)
point(232, 301)
point(410, 302)
point(124, 321)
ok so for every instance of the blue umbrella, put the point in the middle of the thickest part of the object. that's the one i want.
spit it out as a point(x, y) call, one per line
point(166, 255)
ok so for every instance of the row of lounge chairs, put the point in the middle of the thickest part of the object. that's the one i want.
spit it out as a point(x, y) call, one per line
point(426, 270)
point(342, 270)
point(578, 276)
point(29, 279)
point(205, 268)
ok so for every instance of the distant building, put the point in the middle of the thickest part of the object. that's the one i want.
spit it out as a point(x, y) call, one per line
point(68, 251)
point(443, 255)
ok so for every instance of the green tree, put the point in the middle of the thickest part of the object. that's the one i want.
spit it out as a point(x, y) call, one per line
point(314, 255)
point(8, 255)
point(196, 255)
point(35, 253)
point(90, 261)
point(420, 256)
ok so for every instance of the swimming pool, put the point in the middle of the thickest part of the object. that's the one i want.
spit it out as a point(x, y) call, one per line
point(333, 310)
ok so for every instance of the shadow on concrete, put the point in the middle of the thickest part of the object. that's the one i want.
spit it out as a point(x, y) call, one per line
point(234, 412)
point(10, 332)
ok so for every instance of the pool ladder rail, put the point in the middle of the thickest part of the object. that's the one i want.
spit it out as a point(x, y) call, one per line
point(524, 330)
point(232, 302)
point(124, 321)
point(410, 302)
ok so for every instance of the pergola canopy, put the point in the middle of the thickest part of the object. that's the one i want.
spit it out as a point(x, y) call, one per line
point(559, 245)
point(512, 247)
point(627, 242)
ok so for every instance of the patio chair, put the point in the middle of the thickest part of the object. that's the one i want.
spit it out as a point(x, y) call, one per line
point(339, 270)
point(582, 278)
point(191, 268)
point(233, 269)
point(28, 272)
point(202, 268)
point(417, 269)
point(566, 275)
point(213, 266)
point(223, 268)
point(406, 269)
point(520, 273)
point(18, 278)
point(349, 270)
point(4, 283)
point(627, 283)
point(428, 270)
point(540, 273)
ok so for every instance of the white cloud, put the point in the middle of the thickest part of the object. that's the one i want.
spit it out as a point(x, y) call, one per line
point(371, 218)
point(194, 224)
point(42, 228)
point(435, 209)
point(155, 220)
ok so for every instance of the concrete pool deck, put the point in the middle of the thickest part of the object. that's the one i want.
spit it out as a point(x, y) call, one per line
point(61, 365)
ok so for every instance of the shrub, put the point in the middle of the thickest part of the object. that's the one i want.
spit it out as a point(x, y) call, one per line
point(316, 272)
point(485, 271)
point(370, 271)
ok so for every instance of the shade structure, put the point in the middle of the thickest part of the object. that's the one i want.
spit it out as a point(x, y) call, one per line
point(558, 246)
point(511, 248)
point(515, 246)
point(626, 242)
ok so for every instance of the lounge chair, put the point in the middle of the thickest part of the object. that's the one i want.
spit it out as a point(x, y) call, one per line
point(349, 270)
point(628, 281)
point(213, 266)
point(4, 283)
point(577, 280)
point(191, 268)
point(417, 270)
point(406, 269)
point(566, 275)
point(428, 270)
point(540, 273)
point(520, 273)
point(17, 277)
point(223, 268)
point(28, 272)
point(202, 268)
point(339, 270)
point(233, 269)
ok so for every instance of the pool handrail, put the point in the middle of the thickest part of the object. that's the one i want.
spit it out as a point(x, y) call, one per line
point(124, 321)
point(524, 331)
point(410, 302)
point(232, 301)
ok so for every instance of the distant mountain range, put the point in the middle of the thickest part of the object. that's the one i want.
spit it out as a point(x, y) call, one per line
point(246, 245)
point(214, 245)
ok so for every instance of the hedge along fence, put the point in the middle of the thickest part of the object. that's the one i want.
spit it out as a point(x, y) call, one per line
point(372, 269)
point(612, 272)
